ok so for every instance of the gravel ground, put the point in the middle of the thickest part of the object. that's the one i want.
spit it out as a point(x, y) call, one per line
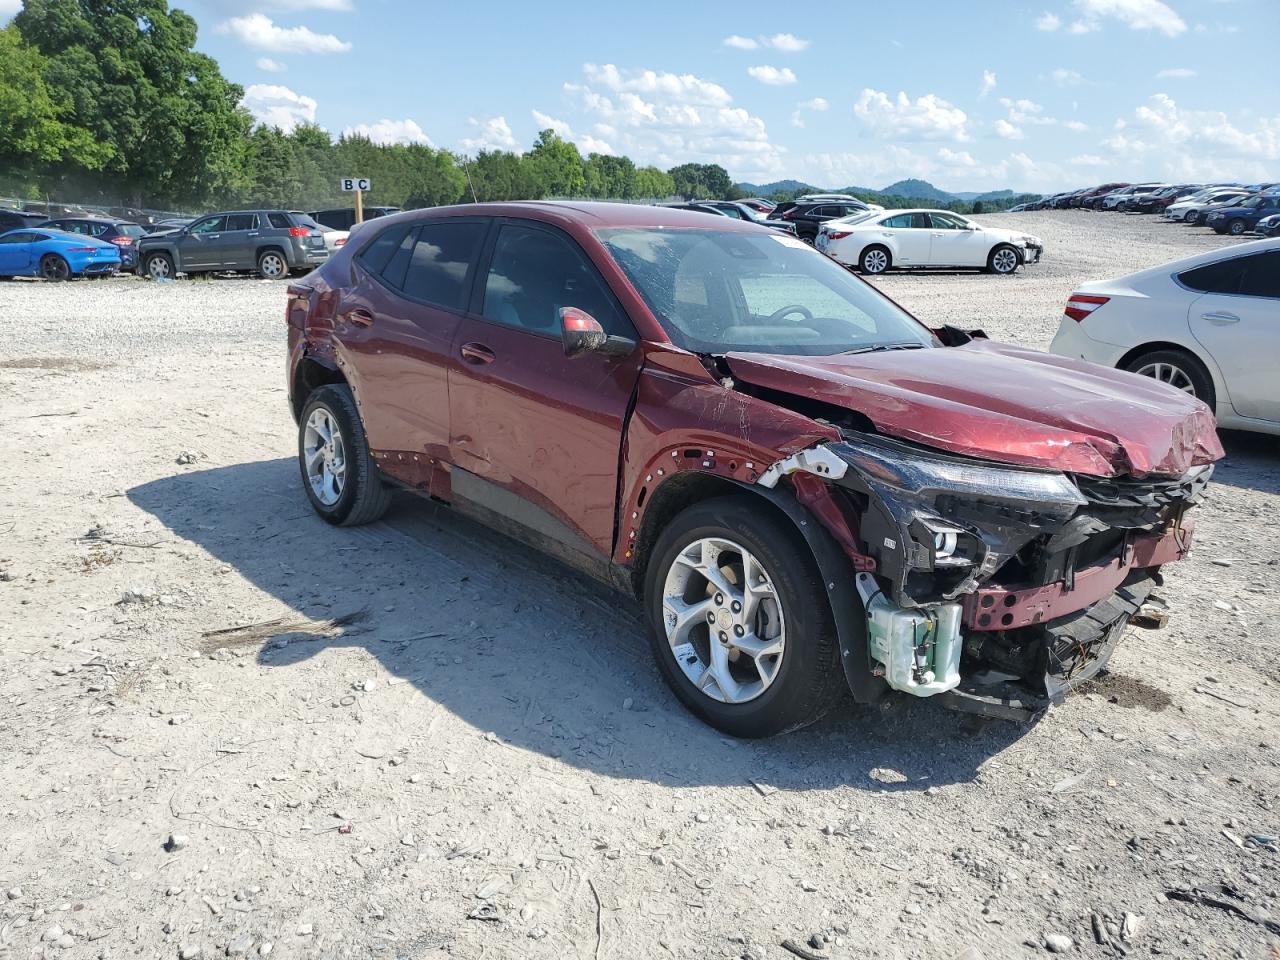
point(487, 764)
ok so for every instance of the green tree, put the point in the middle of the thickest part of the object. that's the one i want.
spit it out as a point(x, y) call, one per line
point(131, 77)
point(556, 166)
point(653, 184)
point(434, 178)
point(701, 181)
point(609, 176)
point(273, 172)
point(499, 175)
point(33, 136)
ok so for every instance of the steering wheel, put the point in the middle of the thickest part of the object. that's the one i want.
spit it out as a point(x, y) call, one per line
point(804, 312)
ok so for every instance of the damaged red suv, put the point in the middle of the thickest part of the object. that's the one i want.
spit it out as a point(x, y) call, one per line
point(804, 485)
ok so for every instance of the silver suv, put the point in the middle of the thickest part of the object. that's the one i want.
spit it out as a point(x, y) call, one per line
point(275, 243)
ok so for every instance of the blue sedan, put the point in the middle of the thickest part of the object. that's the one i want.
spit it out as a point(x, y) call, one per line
point(55, 255)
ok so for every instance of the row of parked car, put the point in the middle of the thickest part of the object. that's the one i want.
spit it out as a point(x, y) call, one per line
point(1228, 208)
point(274, 243)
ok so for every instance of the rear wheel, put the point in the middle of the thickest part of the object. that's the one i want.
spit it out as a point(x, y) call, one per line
point(272, 265)
point(1003, 259)
point(160, 267)
point(338, 471)
point(1178, 369)
point(1236, 227)
point(53, 267)
point(740, 624)
point(875, 260)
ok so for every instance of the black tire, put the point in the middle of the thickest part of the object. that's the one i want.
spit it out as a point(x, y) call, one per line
point(273, 265)
point(54, 268)
point(159, 266)
point(809, 679)
point(876, 266)
point(1195, 371)
point(364, 497)
point(1236, 227)
point(999, 259)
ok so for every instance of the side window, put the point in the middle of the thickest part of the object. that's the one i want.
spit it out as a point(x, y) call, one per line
point(920, 221)
point(97, 229)
point(212, 225)
point(441, 262)
point(901, 222)
point(378, 253)
point(17, 238)
point(1261, 275)
point(278, 221)
point(1225, 276)
point(396, 267)
point(242, 221)
point(943, 223)
point(535, 272)
point(826, 211)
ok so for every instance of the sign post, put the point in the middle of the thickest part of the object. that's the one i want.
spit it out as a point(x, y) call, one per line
point(356, 185)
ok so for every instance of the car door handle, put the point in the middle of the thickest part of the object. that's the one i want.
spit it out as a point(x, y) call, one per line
point(1220, 319)
point(253, 233)
point(477, 353)
point(359, 316)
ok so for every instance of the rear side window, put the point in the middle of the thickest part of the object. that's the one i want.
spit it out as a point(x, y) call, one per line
point(279, 221)
point(378, 253)
point(1261, 275)
point(242, 221)
point(1225, 276)
point(902, 221)
point(440, 264)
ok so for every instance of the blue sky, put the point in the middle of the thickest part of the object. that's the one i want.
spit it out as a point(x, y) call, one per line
point(970, 95)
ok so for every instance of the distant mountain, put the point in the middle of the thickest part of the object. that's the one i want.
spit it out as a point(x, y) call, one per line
point(917, 188)
point(778, 186)
point(984, 197)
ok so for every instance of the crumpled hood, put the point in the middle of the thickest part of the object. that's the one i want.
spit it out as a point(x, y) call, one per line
point(1006, 403)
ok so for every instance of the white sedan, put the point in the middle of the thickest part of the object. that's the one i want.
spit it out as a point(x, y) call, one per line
point(1208, 325)
point(875, 242)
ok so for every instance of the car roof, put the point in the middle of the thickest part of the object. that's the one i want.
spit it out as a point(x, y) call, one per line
point(592, 215)
point(1210, 256)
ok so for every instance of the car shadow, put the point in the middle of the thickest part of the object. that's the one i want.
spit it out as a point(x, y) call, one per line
point(1252, 461)
point(518, 646)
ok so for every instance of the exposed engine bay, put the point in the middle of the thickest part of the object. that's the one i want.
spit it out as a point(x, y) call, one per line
point(999, 587)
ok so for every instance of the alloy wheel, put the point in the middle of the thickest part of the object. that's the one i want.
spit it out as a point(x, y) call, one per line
point(1004, 261)
point(272, 266)
point(325, 456)
point(158, 268)
point(723, 619)
point(54, 268)
point(876, 261)
point(1168, 373)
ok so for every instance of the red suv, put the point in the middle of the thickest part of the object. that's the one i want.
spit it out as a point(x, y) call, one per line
point(804, 485)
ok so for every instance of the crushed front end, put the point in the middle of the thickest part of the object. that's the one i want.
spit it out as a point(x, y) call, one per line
point(999, 588)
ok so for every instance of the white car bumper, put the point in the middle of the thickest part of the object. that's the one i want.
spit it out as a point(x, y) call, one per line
point(1072, 340)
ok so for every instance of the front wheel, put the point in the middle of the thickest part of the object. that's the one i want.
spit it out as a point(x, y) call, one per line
point(53, 267)
point(160, 267)
point(874, 260)
point(272, 265)
point(338, 471)
point(740, 624)
point(1003, 259)
point(1236, 228)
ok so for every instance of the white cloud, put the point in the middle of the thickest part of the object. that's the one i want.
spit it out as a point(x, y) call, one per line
point(818, 104)
point(956, 158)
point(276, 106)
point(926, 118)
point(390, 131)
point(1008, 131)
point(666, 119)
point(1048, 22)
point(988, 83)
point(786, 42)
point(258, 30)
point(314, 4)
point(772, 76)
point(491, 134)
point(590, 144)
point(1075, 126)
point(1135, 14)
point(9, 7)
point(271, 66)
point(1026, 111)
point(1161, 137)
point(1087, 160)
point(1066, 78)
point(546, 121)
point(1176, 73)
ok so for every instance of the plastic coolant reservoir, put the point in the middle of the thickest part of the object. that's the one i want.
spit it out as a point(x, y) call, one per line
point(919, 648)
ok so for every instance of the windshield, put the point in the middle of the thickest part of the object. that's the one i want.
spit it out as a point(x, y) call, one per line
point(718, 291)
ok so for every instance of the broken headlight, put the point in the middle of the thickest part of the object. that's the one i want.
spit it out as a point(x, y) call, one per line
point(938, 524)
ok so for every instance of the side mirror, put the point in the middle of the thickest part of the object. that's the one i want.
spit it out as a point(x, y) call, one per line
point(581, 333)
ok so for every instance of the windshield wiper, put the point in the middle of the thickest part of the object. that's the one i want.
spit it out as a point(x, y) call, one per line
point(877, 348)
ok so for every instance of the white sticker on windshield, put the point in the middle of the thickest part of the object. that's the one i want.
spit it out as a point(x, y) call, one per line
point(787, 241)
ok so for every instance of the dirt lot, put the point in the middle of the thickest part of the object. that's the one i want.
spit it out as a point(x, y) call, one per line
point(487, 764)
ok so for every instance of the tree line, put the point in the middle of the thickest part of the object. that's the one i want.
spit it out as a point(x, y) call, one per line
point(107, 101)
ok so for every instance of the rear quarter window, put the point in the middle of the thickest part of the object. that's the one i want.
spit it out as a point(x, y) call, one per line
point(279, 221)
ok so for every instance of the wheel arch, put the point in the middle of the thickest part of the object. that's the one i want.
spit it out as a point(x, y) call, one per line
point(686, 489)
point(1222, 396)
point(309, 375)
point(272, 246)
